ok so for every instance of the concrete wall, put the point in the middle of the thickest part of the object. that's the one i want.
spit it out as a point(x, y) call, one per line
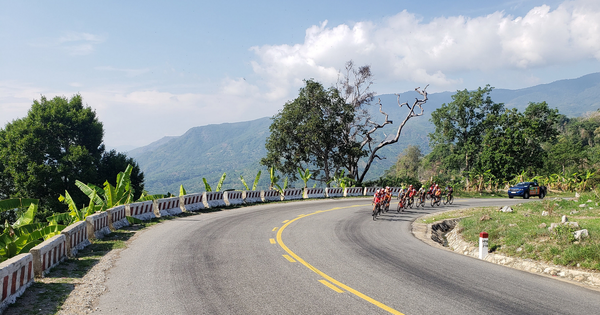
point(49, 254)
point(16, 274)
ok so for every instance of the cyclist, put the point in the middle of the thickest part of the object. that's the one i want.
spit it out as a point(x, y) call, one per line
point(411, 194)
point(375, 200)
point(437, 192)
point(431, 188)
point(388, 197)
point(421, 194)
point(401, 197)
point(449, 190)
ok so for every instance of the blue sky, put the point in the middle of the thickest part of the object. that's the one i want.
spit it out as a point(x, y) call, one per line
point(156, 68)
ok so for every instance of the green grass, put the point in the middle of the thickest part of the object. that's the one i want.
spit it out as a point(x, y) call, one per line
point(521, 233)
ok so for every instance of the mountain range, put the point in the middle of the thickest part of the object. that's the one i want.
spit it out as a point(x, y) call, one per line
point(236, 148)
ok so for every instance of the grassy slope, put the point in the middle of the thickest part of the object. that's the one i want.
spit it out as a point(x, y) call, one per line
point(524, 232)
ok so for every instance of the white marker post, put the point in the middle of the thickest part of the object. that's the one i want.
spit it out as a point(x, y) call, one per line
point(483, 245)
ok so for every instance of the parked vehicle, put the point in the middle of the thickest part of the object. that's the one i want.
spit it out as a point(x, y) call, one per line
point(527, 189)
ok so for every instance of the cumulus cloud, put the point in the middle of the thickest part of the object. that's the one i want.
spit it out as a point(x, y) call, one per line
point(405, 48)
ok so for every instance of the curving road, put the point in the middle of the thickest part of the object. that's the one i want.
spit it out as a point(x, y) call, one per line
point(320, 257)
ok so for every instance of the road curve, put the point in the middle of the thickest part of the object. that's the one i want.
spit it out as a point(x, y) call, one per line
point(320, 257)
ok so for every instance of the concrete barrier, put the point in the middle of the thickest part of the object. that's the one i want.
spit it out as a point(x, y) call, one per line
point(49, 254)
point(116, 218)
point(334, 192)
point(252, 196)
point(97, 225)
point(16, 274)
point(370, 191)
point(292, 194)
point(270, 195)
point(395, 191)
point(314, 193)
point(233, 197)
point(76, 236)
point(193, 202)
point(353, 191)
point(141, 210)
point(214, 199)
point(168, 206)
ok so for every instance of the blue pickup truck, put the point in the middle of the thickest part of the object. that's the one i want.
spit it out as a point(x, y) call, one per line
point(526, 190)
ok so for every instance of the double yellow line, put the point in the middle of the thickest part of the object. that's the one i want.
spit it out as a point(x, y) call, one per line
point(329, 281)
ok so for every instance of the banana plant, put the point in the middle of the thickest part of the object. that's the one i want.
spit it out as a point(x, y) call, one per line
point(24, 234)
point(219, 184)
point(109, 197)
point(274, 180)
point(207, 187)
point(305, 175)
point(182, 191)
point(588, 175)
point(77, 214)
point(244, 182)
point(256, 181)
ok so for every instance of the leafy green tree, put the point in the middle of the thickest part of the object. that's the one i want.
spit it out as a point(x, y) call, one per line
point(306, 133)
point(58, 142)
point(461, 124)
point(513, 142)
point(408, 163)
point(113, 162)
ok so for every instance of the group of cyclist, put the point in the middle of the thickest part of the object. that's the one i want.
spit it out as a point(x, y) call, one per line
point(408, 196)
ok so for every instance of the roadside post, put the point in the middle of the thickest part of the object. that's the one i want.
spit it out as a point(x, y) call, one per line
point(483, 245)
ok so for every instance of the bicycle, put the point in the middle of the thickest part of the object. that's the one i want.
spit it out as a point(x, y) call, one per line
point(410, 202)
point(401, 205)
point(377, 210)
point(448, 199)
point(435, 201)
point(421, 201)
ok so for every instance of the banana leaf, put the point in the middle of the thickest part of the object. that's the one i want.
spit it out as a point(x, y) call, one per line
point(27, 217)
point(206, 185)
point(244, 182)
point(256, 181)
point(182, 191)
point(60, 217)
point(27, 229)
point(110, 195)
point(220, 184)
point(16, 203)
point(91, 192)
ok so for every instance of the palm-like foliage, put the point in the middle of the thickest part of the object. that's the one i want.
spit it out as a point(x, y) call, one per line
point(24, 234)
point(304, 175)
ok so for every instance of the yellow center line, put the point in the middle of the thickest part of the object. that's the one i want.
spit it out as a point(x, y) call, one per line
point(331, 286)
point(275, 229)
point(290, 259)
point(272, 240)
point(322, 274)
point(285, 221)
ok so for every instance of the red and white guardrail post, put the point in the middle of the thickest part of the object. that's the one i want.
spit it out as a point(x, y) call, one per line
point(483, 245)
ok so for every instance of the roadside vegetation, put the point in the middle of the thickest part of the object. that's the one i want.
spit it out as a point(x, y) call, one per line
point(525, 232)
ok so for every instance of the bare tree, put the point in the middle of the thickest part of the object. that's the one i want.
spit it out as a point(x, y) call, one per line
point(387, 141)
point(355, 87)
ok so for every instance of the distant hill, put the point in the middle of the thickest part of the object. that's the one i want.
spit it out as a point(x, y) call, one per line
point(236, 148)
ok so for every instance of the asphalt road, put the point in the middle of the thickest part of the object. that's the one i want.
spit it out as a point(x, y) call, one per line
point(320, 257)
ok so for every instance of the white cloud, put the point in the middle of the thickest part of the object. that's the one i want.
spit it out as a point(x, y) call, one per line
point(404, 48)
